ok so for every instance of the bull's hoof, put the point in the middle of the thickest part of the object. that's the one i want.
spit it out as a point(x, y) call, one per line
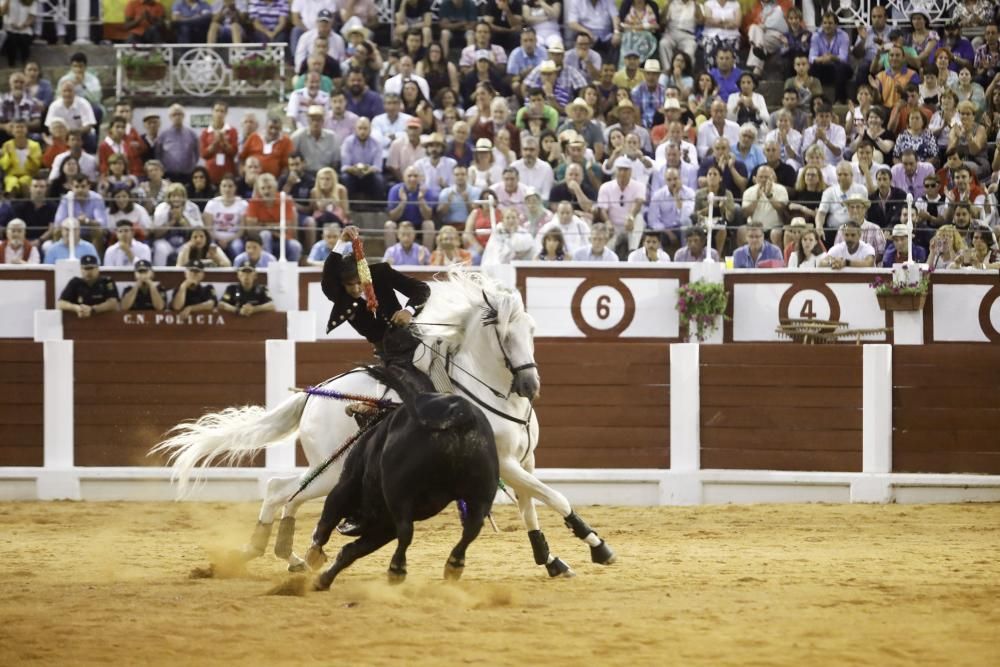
point(249, 552)
point(315, 557)
point(602, 554)
point(453, 570)
point(396, 575)
point(323, 582)
point(557, 568)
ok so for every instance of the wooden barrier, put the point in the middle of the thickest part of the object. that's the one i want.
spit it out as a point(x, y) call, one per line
point(603, 405)
point(779, 407)
point(152, 326)
point(21, 418)
point(129, 393)
point(946, 415)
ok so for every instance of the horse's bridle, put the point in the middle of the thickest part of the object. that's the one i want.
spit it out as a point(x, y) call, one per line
point(514, 370)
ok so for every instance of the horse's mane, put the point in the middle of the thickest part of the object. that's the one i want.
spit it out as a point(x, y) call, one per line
point(454, 301)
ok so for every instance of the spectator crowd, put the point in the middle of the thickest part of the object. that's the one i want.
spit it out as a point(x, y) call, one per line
point(586, 130)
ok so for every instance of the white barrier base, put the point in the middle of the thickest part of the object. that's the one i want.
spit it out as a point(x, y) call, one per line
point(581, 486)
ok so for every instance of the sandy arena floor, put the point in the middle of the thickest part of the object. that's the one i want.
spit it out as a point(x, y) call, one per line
point(108, 584)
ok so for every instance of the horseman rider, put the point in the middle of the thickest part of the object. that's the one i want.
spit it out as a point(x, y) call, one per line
point(342, 285)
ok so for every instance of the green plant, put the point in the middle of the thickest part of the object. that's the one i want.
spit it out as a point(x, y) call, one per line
point(701, 303)
point(135, 59)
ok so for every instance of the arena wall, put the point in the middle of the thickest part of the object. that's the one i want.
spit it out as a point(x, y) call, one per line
point(752, 421)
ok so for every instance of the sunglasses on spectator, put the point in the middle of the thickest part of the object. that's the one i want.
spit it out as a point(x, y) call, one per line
point(142, 270)
point(931, 184)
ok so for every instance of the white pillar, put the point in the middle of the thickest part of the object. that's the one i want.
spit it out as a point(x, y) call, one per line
point(48, 325)
point(283, 283)
point(66, 270)
point(301, 326)
point(279, 360)
point(685, 408)
point(58, 404)
point(908, 327)
point(876, 404)
point(82, 22)
point(710, 272)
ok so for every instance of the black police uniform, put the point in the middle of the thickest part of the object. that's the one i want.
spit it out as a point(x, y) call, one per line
point(386, 281)
point(200, 294)
point(79, 292)
point(143, 299)
point(236, 296)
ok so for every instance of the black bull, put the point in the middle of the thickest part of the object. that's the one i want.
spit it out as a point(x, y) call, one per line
point(437, 449)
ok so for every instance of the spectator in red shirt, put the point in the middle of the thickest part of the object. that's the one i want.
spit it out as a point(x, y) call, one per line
point(144, 21)
point(117, 143)
point(219, 144)
point(264, 215)
point(272, 149)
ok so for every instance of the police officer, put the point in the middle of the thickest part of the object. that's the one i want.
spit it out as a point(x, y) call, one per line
point(91, 293)
point(342, 285)
point(247, 297)
point(192, 295)
point(146, 294)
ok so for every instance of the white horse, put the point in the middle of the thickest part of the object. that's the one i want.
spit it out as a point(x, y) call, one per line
point(478, 338)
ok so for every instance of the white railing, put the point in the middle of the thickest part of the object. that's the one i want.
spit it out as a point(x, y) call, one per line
point(200, 70)
point(852, 12)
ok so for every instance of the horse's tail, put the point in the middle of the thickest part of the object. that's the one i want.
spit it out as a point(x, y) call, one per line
point(228, 437)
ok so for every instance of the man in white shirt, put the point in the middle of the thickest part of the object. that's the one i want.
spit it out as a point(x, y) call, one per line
point(852, 252)
point(394, 84)
point(304, 15)
point(127, 251)
point(826, 133)
point(391, 124)
point(832, 212)
point(650, 251)
point(74, 110)
point(575, 232)
point(671, 159)
point(767, 203)
point(511, 191)
point(717, 126)
point(597, 250)
point(533, 171)
point(619, 202)
point(436, 172)
point(88, 163)
point(336, 48)
point(300, 100)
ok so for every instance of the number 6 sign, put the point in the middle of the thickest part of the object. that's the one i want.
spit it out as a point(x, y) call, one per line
point(602, 309)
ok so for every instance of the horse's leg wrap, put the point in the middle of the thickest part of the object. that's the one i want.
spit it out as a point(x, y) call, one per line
point(578, 526)
point(557, 568)
point(258, 541)
point(602, 554)
point(539, 547)
point(286, 534)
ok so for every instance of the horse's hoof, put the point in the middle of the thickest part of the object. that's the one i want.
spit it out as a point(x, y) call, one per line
point(323, 582)
point(315, 557)
point(396, 576)
point(557, 568)
point(296, 564)
point(602, 554)
point(453, 572)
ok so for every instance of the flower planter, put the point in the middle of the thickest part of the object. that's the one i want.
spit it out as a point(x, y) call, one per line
point(901, 301)
point(255, 74)
point(150, 72)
